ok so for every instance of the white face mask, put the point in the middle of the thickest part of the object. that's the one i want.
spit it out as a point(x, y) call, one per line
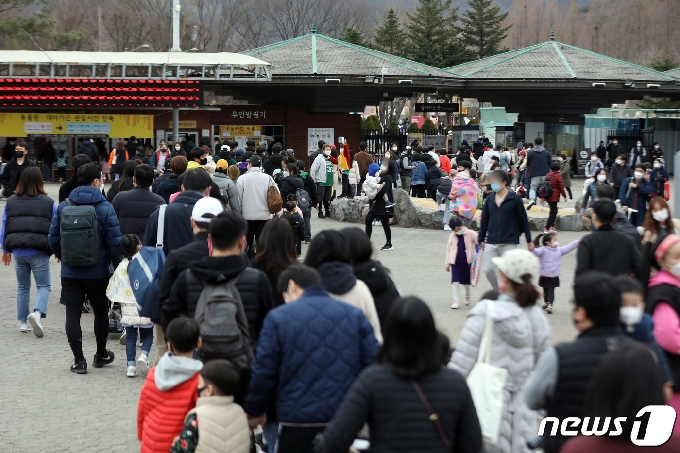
point(657, 165)
point(327, 153)
point(394, 149)
point(387, 155)
point(177, 148)
point(639, 145)
point(618, 161)
point(383, 168)
point(630, 316)
point(656, 147)
point(616, 143)
point(660, 216)
point(601, 178)
point(638, 175)
point(675, 270)
point(593, 159)
point(554, 244)
point(461, 231)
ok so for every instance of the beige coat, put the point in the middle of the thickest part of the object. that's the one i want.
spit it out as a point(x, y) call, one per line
point(360, 296)
point(222, 426)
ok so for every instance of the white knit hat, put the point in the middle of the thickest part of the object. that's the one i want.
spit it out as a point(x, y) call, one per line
point(514, 264)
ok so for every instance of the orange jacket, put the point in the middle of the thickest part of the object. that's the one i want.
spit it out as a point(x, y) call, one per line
point(160, 415)
point(113, 154)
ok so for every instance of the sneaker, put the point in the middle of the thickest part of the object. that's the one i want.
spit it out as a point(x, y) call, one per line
point(548, 309)
point(389, 204)
point(132, 371)
point(24, 327)
point(545, 306)
point(387, 247)
point(455, 304)
point(123, 339)
point(79, 367)
point(143, 361)
point(447, 228)
point(36, 325)
point(553, 230)
point(321, 216)
point(531, 204)
point(100, 361)
point(546, 231)
point(467, 299)
point(328, 215)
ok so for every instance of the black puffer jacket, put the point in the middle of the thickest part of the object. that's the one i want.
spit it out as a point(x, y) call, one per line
point(28, 222)
point(397, 418)
point(290, 185)
point(380, 283)
point(67, 187)
point(133, 209)
point(252, 285)
point(272, 163)
point(11, 174)
point(167, 187)
point(122, 185)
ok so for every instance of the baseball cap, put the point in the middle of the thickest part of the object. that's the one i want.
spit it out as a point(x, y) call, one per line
point(516, 263)
point(225, 148)
point(205, 209)
point(222, 164)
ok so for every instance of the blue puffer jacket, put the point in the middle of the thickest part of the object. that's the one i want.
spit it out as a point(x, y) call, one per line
point(418, 175)
point(309, 353)
point(109, 234)
point(433, 175)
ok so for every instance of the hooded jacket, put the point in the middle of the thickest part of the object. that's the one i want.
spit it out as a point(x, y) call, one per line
point(338, 279)
point(619, 173)
point(177, 231)
point(539, 161)
point(227, 190)
point(309, 354)
point(134, 208)
point(520, 336)
point(290, 185)
point(11, 174)
point(169, 392)
point(464, 189)
point(273, 163)
point(592, 168)
point(89, 149)
point(109, 235)
point(167, 187)
point(252, 285)
point(504, 224)
point(380, 283)
point(252, 191)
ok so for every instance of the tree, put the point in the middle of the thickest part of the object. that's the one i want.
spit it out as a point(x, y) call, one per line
point(483, 29)
point(389, 37)
point(372, 124)
point(352, 35)
point(664, 64)
point(432, 34)
point(31, 27)
point(393, 128)
point(413, 128)
point(429, 128)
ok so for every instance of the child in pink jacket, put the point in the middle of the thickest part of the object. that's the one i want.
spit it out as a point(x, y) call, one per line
point(459, 253)
point(464, 193)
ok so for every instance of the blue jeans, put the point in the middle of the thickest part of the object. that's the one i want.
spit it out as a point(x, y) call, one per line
point(270, 432)
point(40, 265)
point(535, 181)
point(146, 335)
point(47, 172)
point(447, 211)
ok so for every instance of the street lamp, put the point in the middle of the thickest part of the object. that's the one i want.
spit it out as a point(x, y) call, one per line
point(143, 46)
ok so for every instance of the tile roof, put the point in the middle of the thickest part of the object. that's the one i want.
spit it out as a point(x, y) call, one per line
point(315, 54)
point(555, 60)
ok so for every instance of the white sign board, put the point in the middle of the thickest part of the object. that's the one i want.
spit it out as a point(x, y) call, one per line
point(314, 134)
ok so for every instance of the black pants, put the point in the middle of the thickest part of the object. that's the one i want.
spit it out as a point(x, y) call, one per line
point(361, 184)
point(294, 439)
point(568, 189)
point(253, 235)
point(418, 191)
point(370, 217)
point(552, 216)
point(73, 291)
point(346, 187)
point(62, 173)
point(324, 199)
point(549, 295)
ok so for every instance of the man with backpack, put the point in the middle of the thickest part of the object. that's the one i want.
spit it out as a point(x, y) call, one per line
point(225, 268)
point(85, 237)
point(538, 163)
point(88, 148)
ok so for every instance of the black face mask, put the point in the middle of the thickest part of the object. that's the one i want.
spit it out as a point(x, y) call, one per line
point(204, 161)
point(19, 154)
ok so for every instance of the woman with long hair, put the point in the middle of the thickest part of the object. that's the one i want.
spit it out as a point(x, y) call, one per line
point(124, 183)
point(275, 252)
point(400, 394)
point(26, 223)
point(625, 381)
point(658, 220)
point(520, 335)
point(117, 158)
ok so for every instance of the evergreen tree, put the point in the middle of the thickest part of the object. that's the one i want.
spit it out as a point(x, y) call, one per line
point(483, 29)
point(34, 31)
point(664, 64)
point(390, 37)
point(352, 35)
point(432, 34)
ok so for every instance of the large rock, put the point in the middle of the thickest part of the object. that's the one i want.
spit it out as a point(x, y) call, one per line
point(578, 203)
point(405, 210)
point(537, 223)
point(348, 209)
point(572, 222)
point(429, 218)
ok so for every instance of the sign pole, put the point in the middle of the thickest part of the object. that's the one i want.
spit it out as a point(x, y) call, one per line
point(175, 125)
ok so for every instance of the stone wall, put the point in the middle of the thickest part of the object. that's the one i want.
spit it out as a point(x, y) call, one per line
point(408, 215)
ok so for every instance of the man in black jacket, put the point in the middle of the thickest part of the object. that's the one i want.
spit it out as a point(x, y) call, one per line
point(559, 382)
point(606, 250)
point(274, 162)
point(88, 148)
point(12, 172)
point(228, 238)
point(134, 207)
point(66, 188)
point(177, 231)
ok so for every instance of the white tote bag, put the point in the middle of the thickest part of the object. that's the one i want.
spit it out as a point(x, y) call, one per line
point(486, 384)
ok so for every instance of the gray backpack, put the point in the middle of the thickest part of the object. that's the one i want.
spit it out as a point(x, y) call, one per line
point(79, 235)
point(303, 201)
point(224, 327)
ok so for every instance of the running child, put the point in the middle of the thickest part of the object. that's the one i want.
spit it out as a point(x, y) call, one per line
point(550, 265)
point(459, 253)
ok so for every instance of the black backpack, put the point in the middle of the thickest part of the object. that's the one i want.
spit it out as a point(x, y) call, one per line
point(545, 189)
point(79, 235)
point(224, 326)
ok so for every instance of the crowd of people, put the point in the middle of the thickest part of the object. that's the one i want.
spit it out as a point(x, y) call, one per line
point(256, 348)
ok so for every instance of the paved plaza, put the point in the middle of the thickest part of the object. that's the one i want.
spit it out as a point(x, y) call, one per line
point(46, 408)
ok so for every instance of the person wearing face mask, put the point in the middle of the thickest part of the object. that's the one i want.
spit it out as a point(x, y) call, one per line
point(557, 184)
point(160, 156)
point(504, 219)
point(658, 178)
point(657, 152)
point(634, 195)
point(520, 336)
point(463, 195)
point(594, 166)
point(638, 155)
point(639, 326)
point(601, 151)
point(565, 171)
point(619, 172)
point(550, 259)
point(179, 150)
point(591, 190)
point(559, 381)
point(658, 221)
point(459, 253)
point(663, 303)
point(383, 206)
point(322, 172)
point(16, 165)
point(614, 149)
point(198, 157)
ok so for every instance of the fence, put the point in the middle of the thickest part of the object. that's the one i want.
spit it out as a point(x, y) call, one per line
point(377, 144)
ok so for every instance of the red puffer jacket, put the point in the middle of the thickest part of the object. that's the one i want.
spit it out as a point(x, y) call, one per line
point(160, 415)
point(557, 184)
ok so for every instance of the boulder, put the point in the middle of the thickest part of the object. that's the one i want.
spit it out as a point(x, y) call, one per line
point(430, 219)
point(537, 223)
point(572, 222)
point(348, 209)
point(587, 224)
point(405, 210)
point(578, 203)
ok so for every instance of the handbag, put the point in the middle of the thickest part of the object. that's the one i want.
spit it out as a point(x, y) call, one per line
point(274, 200)
point(432, 415)
point(486, 383)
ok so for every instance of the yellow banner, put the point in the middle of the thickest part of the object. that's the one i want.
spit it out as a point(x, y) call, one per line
point(237, 131)
point(184, 124)
point(119, 126)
